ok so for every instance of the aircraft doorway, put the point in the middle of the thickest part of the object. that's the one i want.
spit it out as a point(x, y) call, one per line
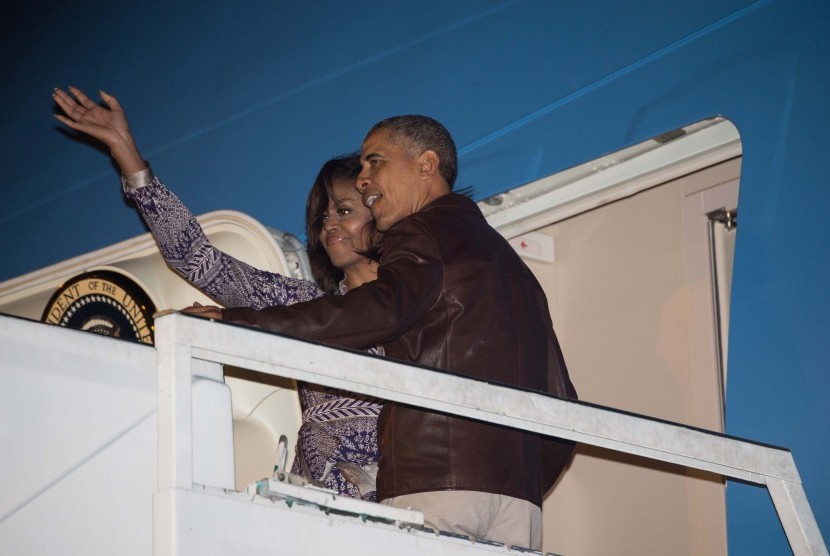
point(639, 292)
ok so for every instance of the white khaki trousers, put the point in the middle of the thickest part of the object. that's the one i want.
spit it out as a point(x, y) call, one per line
point(495, 517)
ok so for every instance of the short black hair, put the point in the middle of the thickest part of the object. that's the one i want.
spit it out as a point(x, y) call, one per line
point(421, 133)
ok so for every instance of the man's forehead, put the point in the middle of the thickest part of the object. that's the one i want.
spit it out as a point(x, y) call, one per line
point(375, 140)
point(382, 142)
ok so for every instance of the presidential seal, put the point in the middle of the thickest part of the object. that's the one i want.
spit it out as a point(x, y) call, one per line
point(105, 303)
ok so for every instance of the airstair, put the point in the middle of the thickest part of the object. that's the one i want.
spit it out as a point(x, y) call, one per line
point(138, 455)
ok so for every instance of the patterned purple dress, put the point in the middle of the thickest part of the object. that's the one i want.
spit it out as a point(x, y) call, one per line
point(337, 426)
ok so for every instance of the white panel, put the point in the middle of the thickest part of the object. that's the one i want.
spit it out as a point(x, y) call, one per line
point(78, 438)
point(212, 433)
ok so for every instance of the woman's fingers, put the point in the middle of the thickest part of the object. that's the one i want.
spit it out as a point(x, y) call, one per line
point(111, 101)
point(82, 98)
point(64, 120)
point(69, 106)
point(66, 102)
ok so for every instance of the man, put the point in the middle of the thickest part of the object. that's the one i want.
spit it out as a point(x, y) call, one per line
point(451, 294)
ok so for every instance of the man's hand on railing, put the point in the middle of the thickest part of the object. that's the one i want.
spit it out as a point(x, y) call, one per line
point(209, 311)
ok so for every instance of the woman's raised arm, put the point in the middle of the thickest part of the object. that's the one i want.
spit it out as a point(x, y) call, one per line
point(107, 124)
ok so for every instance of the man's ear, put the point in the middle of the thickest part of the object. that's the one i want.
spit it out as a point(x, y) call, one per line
point(428, 163)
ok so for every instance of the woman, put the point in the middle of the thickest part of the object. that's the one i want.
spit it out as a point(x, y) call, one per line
point(337, 427)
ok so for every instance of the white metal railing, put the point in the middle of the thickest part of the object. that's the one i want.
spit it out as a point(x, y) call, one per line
point(191, 349)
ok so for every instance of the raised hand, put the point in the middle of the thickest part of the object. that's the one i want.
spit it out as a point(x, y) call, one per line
point(107, 124)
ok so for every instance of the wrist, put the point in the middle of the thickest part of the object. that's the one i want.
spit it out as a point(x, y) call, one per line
point(126, 155)
point(136, 180)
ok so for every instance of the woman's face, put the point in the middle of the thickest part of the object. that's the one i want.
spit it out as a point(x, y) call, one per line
point(345, 230)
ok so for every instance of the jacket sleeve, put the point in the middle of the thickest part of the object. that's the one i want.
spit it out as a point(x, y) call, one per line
point(556, 452)
point(189, 253)
point(409, 283)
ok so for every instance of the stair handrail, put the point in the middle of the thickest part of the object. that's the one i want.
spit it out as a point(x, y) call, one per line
point(189, 346)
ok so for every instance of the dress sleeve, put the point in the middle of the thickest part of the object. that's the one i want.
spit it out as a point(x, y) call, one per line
point(187, 251)
point(409, 282)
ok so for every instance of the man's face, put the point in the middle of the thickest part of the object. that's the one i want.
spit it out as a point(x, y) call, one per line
point(389, 182)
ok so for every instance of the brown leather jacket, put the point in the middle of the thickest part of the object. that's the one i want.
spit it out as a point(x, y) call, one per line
point(451, 294)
